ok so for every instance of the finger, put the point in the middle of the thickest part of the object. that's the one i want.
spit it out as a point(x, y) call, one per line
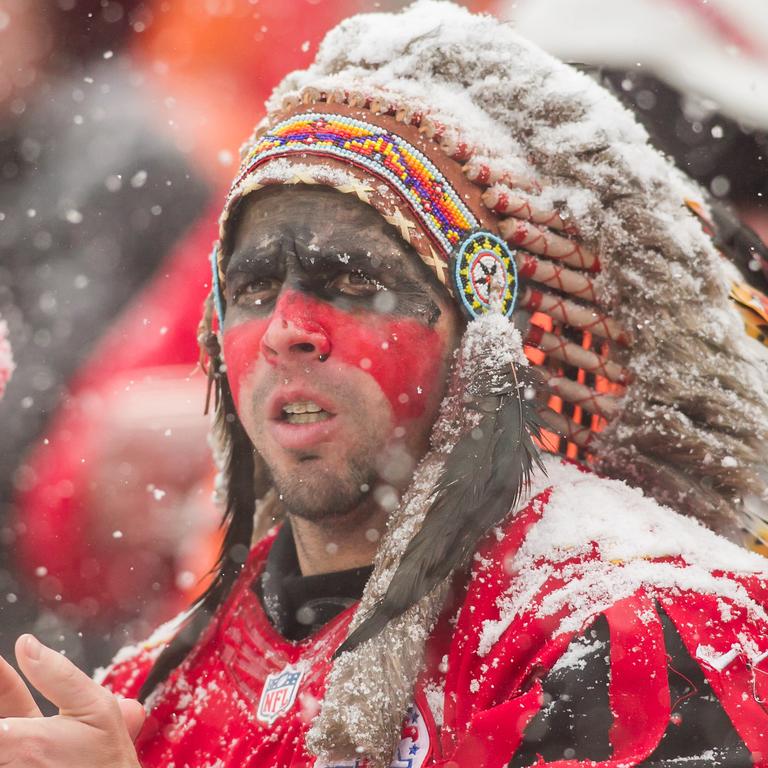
point(15, 698)
point(60, 681)
point(17, 741)
point(133, 716)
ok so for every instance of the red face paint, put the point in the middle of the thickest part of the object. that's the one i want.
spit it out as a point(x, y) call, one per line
point(404, 356)
point(242, 349)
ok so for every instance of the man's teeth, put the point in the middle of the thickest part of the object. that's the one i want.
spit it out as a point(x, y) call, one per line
point(304, 413)
point(306, 418)
point(302, 407)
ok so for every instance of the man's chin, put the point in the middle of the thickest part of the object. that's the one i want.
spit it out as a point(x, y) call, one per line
point(317, 508)
point(322, 498)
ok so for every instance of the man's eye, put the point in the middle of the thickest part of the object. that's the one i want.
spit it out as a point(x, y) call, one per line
point(257, 292)
point(355, 284)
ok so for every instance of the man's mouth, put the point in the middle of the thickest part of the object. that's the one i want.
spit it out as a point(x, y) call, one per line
point(303, 412)
point(300, 419)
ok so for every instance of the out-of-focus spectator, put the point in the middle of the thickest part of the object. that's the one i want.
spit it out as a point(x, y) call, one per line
point(119, 471)
point(92, 194)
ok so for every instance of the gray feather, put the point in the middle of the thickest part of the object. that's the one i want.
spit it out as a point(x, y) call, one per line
point(484, 477)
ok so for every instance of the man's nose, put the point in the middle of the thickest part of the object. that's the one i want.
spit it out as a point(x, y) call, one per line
point(290, 338)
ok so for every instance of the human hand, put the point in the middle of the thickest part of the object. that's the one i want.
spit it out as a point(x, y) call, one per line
point(94, 729)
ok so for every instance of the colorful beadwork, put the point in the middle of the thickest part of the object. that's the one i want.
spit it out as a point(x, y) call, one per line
point(217, 295)
point(485, 274)
point(383, 153)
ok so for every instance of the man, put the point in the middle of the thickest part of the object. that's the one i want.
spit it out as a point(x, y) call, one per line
point(429, 184)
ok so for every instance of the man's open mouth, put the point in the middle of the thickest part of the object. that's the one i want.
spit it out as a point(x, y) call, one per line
point(303, 412)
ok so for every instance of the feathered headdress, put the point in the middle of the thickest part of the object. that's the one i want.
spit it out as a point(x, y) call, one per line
point(537, 201)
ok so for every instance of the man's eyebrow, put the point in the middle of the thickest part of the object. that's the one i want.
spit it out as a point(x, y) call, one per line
point(253, 259)
point(352, 258)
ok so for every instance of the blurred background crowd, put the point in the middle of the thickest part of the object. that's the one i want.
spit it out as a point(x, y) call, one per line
point(120, 122)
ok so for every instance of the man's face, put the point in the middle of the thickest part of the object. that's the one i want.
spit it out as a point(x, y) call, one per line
point(337, 344)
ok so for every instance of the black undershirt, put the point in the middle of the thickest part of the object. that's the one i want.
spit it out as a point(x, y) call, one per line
point(300, 605)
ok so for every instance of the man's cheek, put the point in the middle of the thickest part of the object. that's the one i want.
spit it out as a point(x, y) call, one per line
point(404, 357)
point(242, 349)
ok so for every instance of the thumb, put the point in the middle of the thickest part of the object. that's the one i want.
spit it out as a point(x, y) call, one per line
point(60, 681)
point(133, 715)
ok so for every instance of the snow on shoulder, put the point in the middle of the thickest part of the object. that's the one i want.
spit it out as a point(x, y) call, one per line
point(609, 540)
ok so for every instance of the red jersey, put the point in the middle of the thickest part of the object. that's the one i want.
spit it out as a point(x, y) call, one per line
point(567, 644)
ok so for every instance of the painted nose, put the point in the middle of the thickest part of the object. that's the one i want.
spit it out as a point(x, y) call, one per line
point(298, 340)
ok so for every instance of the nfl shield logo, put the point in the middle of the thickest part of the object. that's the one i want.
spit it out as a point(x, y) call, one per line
point(278, 695)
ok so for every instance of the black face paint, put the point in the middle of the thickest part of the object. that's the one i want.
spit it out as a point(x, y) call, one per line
point(344, 254)
point(352, 281)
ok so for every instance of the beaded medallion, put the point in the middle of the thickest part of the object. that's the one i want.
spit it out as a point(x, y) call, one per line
point(485, 274)
point(385, 154)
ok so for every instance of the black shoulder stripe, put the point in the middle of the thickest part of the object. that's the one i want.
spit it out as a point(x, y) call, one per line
point(700, 733)
point(576, 717)
point(574, 721)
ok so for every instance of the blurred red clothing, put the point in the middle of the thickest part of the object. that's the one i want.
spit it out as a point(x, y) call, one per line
point(107, 500)
point(103, 470)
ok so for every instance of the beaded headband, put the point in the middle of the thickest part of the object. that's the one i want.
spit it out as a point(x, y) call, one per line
point(484, 268)
point(384, 154)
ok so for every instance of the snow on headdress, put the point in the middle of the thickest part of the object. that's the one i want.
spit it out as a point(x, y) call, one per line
point(620, 295)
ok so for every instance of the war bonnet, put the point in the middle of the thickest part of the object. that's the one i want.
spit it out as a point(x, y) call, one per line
point(622, 293)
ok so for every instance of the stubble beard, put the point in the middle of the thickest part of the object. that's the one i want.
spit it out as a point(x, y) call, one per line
point(319, 495)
